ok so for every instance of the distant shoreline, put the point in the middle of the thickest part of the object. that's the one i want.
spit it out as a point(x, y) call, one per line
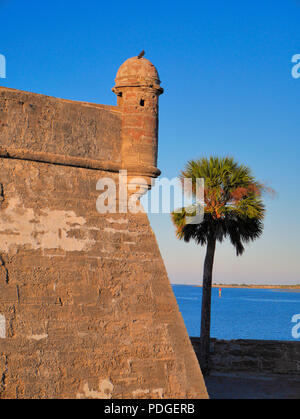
point(257, 286)
point(295, 287)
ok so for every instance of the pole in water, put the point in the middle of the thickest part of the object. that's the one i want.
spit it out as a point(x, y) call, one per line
point(220, 292)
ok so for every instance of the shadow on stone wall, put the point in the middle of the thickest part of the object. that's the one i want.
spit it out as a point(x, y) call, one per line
point(252, 369)
point(253, 356)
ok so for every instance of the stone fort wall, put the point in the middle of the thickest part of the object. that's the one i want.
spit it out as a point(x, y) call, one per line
point(86, 307)
point(250, 356)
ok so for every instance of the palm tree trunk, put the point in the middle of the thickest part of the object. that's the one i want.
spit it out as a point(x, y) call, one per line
point(206, 305)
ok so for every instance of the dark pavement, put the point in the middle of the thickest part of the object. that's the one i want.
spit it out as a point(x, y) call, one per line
point(252, 387)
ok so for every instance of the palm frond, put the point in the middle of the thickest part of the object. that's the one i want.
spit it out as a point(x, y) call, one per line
point(233, 203)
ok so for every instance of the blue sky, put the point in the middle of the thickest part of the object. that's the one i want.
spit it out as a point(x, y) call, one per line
point(226, 71)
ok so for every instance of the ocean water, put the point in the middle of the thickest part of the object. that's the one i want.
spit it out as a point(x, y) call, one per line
point(241, 313)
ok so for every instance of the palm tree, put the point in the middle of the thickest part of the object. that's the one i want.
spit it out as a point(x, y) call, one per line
point(233, 208)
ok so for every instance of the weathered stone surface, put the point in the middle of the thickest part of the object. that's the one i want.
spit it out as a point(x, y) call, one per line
point(86, 307)
point(253, 356)
point(41, 124)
